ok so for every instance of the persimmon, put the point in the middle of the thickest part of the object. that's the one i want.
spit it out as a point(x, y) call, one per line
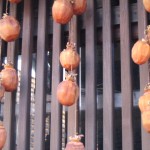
point(3, 135)
point(68, 91)
point(144, 105)
point(75, 143)
point(79, 6)
point(140, 52)
point(69, 58)
point(15, 1)
point(9, 28)
point(9, 78)
point(146, 4)
point(62, 11)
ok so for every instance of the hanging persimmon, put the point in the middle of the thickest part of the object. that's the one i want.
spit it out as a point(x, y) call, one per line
point(69, 58)
point(79, 6)
point(144, 100)
point(9, 28)
point(68, 91)
point(140, 52)
point(62, 11)
point(75, 143)
point(144, 105)
point(15, 1)
point(3, 135)
point(146, 120)
point(146, 4)
point(9, 78)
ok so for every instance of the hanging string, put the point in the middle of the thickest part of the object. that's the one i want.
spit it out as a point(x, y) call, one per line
point(69, 37)
point(6, 11)
point(76, 119)
point(73, 72)
point(70, 26)
point(147, 39)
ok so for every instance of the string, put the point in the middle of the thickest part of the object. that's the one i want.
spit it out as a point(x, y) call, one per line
point(75, 119)
point(0, 65)
point(147, 38)
point(71, 42)
point(74, 76)
point(6, 11)
point(76, 110)
point(69, 37)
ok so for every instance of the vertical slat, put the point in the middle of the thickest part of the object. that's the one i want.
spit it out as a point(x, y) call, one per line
point(10, 98)
point(90, 89)
point(108, 97)
point(142, 23)
point(1, 41)
point(1, 8)
point(40, 96)
point(1, 14)
point(72, 110)
point(126, 77)
point(56, 109)
point(25, 83)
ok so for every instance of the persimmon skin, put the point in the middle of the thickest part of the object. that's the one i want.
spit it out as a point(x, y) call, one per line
point(67, 92)
point(9, 28)
point(74, 145)
point(62, 11)
point(144, 102)
point(146, 4)
point(79, 7)
point(146, 120)
point(69, 58)
point(15, 1)
point(144, 105)
point(3, 136)
point(9, 78)
point(140, 52)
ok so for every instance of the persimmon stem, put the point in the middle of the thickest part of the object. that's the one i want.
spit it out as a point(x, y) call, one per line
point(72, 1)
point(147, 34)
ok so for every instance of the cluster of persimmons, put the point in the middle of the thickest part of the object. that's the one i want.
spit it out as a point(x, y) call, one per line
point(68, 90)
point(140, 55)
point(9, 31)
